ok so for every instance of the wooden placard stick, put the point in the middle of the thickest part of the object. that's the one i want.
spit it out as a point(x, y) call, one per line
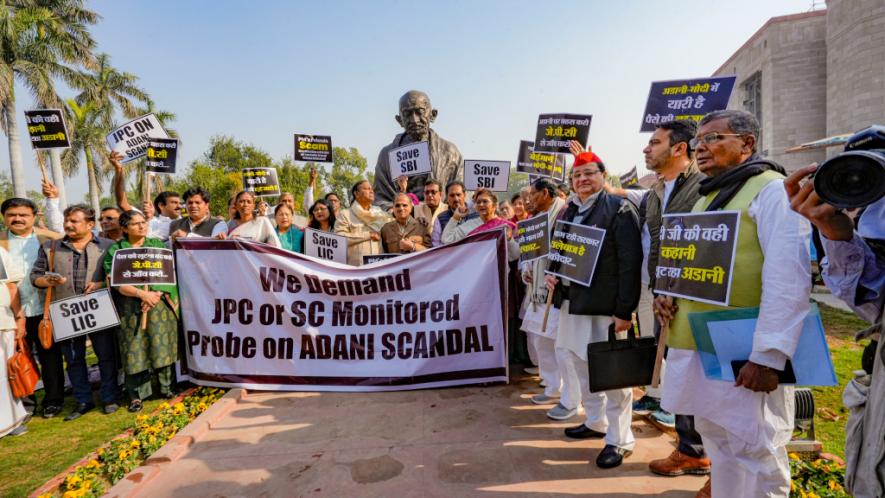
point(42, 163)
point(547, 310)
point(144, 314)
point(659, 357)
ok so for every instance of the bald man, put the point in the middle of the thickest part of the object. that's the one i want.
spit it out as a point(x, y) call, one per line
point(415, 115)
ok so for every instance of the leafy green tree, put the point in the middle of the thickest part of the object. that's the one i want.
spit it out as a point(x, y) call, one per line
point(348, 167)
point(37, 40)
point(231, 155)
point(87, 139)
point(109, 89)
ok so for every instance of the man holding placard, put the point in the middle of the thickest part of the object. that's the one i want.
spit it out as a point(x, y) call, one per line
point(589, 304)
point(415, 116)
point(745, 425)
point(71, 267)
point(545, 202)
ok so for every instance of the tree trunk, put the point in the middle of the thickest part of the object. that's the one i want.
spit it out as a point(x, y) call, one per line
point(58, 177)
point(15, 153)
point(93, 182)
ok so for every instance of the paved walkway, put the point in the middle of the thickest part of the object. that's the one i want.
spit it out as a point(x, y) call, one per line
point(466, 441)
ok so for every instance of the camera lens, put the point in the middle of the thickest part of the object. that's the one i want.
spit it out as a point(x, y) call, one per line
point(852, 179)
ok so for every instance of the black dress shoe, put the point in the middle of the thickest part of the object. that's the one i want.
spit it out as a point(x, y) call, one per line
point(611, 456)
point(583, 432)
point(51, 411)
point(79, 411)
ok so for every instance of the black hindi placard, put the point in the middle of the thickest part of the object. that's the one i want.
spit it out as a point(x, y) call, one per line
point(630, 178)
point(533, 236)
point(696, 257)
point(47, 129)
point(263, 182)
point(161, 155)
point(143, 266)
point(540, 163)
point(574, 251)
point(685, 99)
point(555, 131)
point(313, 148)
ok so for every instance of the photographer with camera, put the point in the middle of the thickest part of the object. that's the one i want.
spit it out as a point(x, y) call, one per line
point(854, 270)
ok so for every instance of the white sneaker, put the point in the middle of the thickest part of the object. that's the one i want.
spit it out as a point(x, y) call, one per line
point(531, 370)
point(543, 399)
point(560, 412)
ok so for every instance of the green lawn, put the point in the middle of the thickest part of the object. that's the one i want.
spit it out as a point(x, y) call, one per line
point(51, 446)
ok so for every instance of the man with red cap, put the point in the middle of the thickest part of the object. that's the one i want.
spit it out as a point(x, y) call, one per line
point(586, 312)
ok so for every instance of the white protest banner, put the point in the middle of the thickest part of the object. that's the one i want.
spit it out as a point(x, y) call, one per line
point(325, 245)
point(410, 160)
point(79, 315)
point(131, 139)
point(277, 320)
point(491, 175)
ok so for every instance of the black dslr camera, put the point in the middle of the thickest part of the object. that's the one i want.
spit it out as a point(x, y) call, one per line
point(856, 177)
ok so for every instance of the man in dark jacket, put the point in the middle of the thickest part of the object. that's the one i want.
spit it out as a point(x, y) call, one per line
point(587, 312)
point(676, 191)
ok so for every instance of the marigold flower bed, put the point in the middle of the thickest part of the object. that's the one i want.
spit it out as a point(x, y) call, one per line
point(125, 453)
point(816, 479)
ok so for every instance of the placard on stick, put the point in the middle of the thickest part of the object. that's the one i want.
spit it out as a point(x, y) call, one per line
point(410, 160)
point(143, 266)
point(131, 139)
point(540, 163)
point(630, 178)
point(574, 251)
point(533, 236)
point(313, 148)
point(162, 154)
point(47, 129)
point(325, 245)
point(263, 182)
point(555, 131)
point(83, 314)
point(676, 100)
point(491, 175)
point(696, 257)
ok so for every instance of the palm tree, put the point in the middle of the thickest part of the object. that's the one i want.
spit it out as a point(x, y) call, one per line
point(87, 139)
point(37, 38)
point(108, 89)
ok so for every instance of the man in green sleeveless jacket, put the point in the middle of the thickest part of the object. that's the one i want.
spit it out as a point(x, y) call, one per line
point(746, 425)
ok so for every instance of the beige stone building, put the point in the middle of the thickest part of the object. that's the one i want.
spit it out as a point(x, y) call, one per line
point(812, 75)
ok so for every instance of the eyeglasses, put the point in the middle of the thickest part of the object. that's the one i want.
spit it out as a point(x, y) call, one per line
point(710, 138)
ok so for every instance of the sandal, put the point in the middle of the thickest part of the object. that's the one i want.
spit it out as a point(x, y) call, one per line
point(135, 405)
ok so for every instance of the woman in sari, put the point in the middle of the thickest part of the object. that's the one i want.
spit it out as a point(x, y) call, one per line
point(247, 226)
point(13, 415)
point(322, 216)
point(290, 236)
point(486, 205)
point(156, 347)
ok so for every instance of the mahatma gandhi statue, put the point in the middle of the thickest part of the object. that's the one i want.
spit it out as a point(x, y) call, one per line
point(415, 115)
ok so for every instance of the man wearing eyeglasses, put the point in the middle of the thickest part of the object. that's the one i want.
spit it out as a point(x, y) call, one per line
point(586, 312)
point(427, 212)
point(746, 425)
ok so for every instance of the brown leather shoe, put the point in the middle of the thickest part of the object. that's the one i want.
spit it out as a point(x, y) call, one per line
point(679, 463)
point(706, 491)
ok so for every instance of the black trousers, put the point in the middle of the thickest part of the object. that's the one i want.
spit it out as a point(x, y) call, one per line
point(51, 364)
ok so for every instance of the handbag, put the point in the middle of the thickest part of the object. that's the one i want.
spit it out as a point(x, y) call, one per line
point(21, 371)
point(616, 364)
point(44, 329)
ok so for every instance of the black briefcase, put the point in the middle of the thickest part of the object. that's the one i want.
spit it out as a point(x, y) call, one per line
point(616, 364)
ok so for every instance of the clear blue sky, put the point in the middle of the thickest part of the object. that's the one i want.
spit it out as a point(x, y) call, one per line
point(260, 71)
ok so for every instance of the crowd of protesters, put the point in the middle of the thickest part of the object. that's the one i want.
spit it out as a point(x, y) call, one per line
point(736, 432)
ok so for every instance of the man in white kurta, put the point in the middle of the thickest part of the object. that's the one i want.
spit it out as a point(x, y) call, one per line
point(746, 425)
